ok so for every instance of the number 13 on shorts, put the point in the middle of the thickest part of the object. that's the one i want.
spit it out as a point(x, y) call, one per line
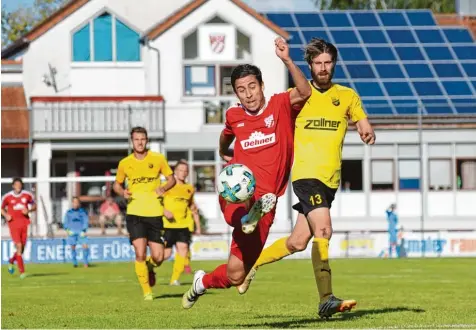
point(315, 199)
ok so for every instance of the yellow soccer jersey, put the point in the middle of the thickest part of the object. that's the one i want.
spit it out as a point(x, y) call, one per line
point(177, 200)
point(320, 131)
point(190, 221)
point(143, 178)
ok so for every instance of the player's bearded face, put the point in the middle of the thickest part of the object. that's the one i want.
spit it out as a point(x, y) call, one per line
point(322, 69)
point(250, 92)
point(139, 142)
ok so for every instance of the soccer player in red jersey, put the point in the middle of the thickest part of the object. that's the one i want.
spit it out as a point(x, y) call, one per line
point(264, 131)
point(15, 209)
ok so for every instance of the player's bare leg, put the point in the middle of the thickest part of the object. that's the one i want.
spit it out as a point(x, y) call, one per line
point(296, 242)
point(224, 276)
point(320, 223)
point(155, 260)
point(140, 247)
point(261, 207)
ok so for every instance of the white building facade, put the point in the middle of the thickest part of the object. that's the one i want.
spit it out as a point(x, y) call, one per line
point(99, 67)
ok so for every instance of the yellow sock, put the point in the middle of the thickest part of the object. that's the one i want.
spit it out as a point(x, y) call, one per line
point(151, 261)
point(272, 253)
point(178, 267)
point(322, 271)
point(187, 259)
point(143, 276)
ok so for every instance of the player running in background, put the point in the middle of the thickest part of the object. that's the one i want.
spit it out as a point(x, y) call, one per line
point(392, 220)
point(76, 223)
point(264, 142)
point(16, 207)
point(192, 216)
point(319, 136)
point(142, 169)
point(177, 204)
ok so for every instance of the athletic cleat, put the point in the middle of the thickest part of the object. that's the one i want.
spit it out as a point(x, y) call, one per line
point(262, 206)
point(152, 278)
point(75, 265)
point(175, 283)
point(191, 296)
point(246, 283)
point(335, 305)
point(148, 297)
point(187, 269)
point(11, 269)
point(86, 266)
point(23, 276)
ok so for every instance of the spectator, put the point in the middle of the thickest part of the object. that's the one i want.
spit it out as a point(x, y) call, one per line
point(110, 212)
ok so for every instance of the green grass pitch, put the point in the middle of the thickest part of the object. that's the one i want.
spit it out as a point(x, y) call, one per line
point(407, 293)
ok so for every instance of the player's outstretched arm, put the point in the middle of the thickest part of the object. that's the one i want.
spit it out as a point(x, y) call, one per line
point(302, 91)
point(225, 142)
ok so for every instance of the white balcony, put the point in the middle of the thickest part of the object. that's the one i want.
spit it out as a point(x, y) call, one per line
point(55, 118)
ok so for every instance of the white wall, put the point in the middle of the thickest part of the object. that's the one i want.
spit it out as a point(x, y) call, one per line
point(171, 48)
point(54, 47)
point(107, 80)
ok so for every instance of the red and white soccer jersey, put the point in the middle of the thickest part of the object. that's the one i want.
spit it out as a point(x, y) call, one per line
point(15, 204)
point(264, 142)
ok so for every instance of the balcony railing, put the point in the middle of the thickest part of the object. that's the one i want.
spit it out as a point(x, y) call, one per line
point(96, 117)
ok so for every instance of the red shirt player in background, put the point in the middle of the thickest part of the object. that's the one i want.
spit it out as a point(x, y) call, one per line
point(264, 132)
point(15, 209)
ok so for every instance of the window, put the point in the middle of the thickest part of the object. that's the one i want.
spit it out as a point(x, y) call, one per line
point(174, 156)
point(466, 173)
point(351, 175)
point(201, 80)
point(409, 174)
point(204, 170)
point(382, 175)
point(104, 39)
point(440, 174)
point(190, 46)
point(215, 111)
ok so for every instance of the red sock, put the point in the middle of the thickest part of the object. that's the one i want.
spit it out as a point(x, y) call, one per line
point(233, 214)
point(217, 279)
point(21, 266)
point(12, 259)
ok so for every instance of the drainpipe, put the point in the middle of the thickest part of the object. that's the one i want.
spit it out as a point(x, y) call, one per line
point(146, 41)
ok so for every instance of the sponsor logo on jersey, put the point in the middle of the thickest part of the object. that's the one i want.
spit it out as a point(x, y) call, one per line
point(322, 124)
point(240, 125)
point(269, 121)
point(258, 139)
point(142, 179)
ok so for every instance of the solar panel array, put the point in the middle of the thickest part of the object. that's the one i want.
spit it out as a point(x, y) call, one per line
point(395, 60)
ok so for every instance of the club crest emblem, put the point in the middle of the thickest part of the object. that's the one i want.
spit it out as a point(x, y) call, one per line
point(217, 43)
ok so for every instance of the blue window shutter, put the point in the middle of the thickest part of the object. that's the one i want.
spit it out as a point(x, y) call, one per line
point(82, 45)
point(127, 43)
point(103, 38)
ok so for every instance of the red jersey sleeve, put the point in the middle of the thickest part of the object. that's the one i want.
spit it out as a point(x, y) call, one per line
point(30, 198)
point(4, 201)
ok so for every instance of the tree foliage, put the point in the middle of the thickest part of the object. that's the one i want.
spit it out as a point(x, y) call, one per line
point(437, 6)
point(17, 23)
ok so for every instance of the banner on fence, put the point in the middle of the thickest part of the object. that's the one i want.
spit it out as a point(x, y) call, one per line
point(350, 245)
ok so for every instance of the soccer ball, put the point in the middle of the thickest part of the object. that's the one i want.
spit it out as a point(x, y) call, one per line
point(236, 183)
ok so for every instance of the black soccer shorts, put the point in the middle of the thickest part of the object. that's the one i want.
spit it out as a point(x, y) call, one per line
point(174, 235)
point(312, 194)
point(145, 227)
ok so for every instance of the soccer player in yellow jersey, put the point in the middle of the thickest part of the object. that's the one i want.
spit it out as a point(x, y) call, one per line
point(178, 203)
point(319, 136)
point(142, 169)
